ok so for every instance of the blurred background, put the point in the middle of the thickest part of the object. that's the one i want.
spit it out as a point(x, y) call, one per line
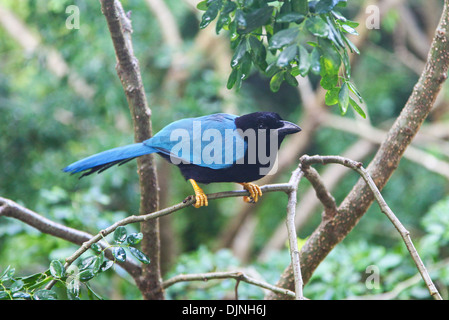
point(61, 100)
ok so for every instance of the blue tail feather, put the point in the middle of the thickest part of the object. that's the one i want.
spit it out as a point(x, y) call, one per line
point(103, 160)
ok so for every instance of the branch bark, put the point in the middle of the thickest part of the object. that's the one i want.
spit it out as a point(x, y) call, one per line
point(128, 71)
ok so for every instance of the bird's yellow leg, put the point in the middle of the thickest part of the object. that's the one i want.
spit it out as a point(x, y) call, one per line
point(254, 191)
point(200, 196)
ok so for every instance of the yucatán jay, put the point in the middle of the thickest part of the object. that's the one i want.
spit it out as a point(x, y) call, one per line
point(214, 148)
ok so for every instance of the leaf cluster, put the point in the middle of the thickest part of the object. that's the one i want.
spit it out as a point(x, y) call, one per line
point(287, 39)
point(74, 277)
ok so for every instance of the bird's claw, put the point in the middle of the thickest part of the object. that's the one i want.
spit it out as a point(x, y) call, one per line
point(201, 200)
point(200, 196)
point(254, 191)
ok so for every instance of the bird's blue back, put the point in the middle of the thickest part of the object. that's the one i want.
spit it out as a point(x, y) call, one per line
point(201, 134)
point(230, 147)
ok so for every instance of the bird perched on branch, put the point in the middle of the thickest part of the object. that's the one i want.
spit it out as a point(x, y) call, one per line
point(213, 148)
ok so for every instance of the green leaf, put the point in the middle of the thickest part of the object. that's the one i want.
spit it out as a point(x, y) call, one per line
point(331, 97)
point(240, 20)
point(291, 80)
point(300, 6)
point(4, 295)
point(290, 17)
point(343, 98)
point(315, 65)
point(134, 238)
point(202, 5)
point(98, 263)
point(329, 82)
point(335, 35)
point(211, 13)
point(245, 66)
point(223, 20)
point(355, 91)
point(317, 27)
point(238, 81)
point(7, 274)
point(283, 38)
point(304, 61)
point(228, 7)
point(276, 81)
point(34, 279)
point(330, 60)
point(357, 108)
point(73, 287)
point(351, 45)
point(86, 275)
point(106, 265)
point(288, 54)
point(255, 19)
point(139, 255)
point(258, 52)
point(119, 254)
point(57, 269)
point(87, 262)
point(45, 295)
point(16, 286)
point(239, 53)
point(232, 78)
point(96, 248)
point(325, 6)
point(349, 29)
point(120, 234)
point(21, 295)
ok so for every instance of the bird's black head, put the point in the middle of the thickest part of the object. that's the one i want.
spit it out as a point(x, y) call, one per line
point(267, 121)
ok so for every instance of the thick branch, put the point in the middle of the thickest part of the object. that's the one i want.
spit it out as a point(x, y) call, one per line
point(129, 73)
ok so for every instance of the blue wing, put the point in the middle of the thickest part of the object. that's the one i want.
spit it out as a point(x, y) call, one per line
point(209, 141)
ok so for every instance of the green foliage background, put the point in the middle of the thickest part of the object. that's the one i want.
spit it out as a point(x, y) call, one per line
point(45, 125)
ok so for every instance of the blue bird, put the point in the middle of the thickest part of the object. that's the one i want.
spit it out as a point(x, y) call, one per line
point(214, 148)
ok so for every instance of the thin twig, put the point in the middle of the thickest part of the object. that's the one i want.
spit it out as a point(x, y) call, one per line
point(405, 234)
point(291, 229)
point(238, 275)
point(326, 198)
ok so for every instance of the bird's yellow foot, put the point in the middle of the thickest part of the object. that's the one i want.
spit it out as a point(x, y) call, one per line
point(200, 196)
point(254, 191)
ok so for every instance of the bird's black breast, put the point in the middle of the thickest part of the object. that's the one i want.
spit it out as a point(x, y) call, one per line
point(236, 173)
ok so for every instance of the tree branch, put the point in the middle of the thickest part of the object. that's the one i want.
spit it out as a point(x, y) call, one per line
point(128, 71)
point(291, 229)
point(326, 198)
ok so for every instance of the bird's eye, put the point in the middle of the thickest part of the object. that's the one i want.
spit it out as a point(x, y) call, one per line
point(262, 126)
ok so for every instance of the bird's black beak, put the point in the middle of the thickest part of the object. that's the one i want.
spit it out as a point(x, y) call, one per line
point(288, 128)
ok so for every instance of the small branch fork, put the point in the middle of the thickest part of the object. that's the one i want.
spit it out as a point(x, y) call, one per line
point(306, 161)
point(11, 209)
